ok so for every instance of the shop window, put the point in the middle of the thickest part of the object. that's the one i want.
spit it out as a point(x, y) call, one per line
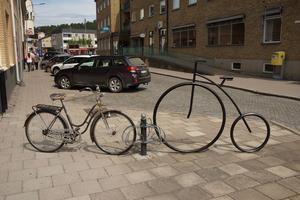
point(226, 32)
point(184, 37)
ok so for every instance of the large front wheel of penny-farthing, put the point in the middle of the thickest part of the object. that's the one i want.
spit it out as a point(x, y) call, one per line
point(250, 132)
point(113, 132)
point(190, 126)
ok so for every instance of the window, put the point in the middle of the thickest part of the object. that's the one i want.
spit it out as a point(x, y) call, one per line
point(184, 37)
point(70, 61)
point(272, 25)
point(268, 68)
point(162, 7)
point(151, 10)
point(87, 64)
point(142, 14)
point(236, 66)
point(104, 62)
point(176, 4)
point(191, 2)
point(133, 17)
point(228, 32)
point(119, 62)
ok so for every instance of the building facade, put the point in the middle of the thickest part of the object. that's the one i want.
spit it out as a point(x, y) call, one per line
point(75, 40)
point(12, 15)
point(232, 34)
point(44, 43)
point(113, 25)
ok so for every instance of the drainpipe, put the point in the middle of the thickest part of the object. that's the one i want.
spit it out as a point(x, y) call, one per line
point(15, 41)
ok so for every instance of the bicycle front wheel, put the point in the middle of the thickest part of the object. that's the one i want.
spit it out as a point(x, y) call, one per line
point(113, 132)
point(250, 132)
point(44, 130)
point(190, 126)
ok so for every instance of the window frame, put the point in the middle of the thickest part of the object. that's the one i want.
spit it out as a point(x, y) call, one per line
point(178, 6)
point(160, 7)
point(142, 13)
point(235, 69)
point(192, 3)
point(264, 68)
point(149, 10)
point(271, 17)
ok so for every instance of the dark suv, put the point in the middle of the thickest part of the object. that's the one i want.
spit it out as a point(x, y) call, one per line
point(114, 72)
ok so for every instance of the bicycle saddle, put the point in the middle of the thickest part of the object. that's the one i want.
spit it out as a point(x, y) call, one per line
point(228, 78)
point(57, 96)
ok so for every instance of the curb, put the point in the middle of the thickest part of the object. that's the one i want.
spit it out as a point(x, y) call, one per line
point(285, 127)
point(233, 87)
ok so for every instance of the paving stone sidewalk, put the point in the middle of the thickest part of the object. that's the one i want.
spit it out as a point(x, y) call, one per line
point(82, 172)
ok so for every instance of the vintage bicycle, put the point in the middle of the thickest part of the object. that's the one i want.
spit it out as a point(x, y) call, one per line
point(47, 130)
point(200, 129)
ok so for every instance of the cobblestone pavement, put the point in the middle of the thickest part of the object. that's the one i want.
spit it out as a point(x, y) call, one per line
point(82, 172)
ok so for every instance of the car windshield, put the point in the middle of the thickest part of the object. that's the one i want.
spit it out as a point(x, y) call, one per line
point(136, 62)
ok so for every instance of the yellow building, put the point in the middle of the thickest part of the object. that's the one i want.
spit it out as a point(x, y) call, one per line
point(11, 50)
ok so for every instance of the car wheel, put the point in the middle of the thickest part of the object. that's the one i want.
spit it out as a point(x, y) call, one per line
point(64, 82)
point(55, 71)
point(115, 84)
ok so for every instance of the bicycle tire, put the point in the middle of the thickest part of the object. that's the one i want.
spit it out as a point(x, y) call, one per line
point(34, 143)
point(254, 149)
point(219, 132)
point(113, 146)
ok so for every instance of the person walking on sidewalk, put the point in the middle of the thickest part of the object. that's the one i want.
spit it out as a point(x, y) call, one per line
point(36, 61)
point(30, 60)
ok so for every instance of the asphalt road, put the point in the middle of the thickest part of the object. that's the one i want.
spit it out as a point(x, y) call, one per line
point(281, 110)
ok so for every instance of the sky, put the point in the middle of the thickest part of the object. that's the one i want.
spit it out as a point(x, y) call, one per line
point(63, 11)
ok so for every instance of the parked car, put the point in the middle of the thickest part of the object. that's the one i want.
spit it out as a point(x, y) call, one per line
point(69, 63)
point(114, 72)
point(47, 56)
point(56, 59)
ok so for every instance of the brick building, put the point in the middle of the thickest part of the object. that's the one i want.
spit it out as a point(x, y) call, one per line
point(113, 25)
point(233, 34)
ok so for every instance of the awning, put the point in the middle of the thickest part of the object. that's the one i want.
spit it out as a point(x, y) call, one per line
point(184, 26)
point(212, 21)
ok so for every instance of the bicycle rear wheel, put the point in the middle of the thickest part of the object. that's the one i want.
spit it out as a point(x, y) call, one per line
point(40, 127)
point(113, 132)
point(252, 139)
point(188, 130)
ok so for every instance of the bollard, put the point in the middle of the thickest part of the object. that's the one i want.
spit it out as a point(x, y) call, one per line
point(143, 126)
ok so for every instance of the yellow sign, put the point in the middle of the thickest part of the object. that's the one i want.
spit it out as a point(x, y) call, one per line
point(278, 58)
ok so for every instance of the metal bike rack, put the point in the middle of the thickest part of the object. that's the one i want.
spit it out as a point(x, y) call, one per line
point(147, 133)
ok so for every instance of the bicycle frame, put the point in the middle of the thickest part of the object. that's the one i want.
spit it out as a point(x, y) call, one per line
point(195, 74)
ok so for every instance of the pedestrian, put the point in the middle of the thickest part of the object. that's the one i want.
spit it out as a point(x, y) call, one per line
point(29, 62)
point(32, 59)
point(36, 61)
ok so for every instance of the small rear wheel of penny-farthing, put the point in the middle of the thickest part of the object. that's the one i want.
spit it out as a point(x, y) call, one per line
point(250, 132)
